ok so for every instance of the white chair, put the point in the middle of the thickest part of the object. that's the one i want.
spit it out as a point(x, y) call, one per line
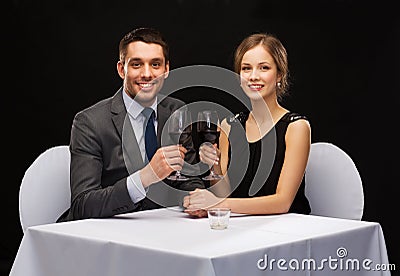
point(44, 192)
point(333, 184)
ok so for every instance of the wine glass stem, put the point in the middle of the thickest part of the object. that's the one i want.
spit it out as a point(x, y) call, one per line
point(212, 171)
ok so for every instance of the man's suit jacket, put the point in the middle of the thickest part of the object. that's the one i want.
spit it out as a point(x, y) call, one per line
point(104, 152)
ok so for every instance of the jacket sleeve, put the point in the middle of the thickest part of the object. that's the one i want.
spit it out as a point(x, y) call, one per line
point(89, 196)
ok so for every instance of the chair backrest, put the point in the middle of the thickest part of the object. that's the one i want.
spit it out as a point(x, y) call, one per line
point(45, 192)
point(333, 184)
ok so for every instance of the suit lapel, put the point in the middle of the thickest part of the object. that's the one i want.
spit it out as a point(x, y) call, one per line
point(130, 148)
point(163, 114)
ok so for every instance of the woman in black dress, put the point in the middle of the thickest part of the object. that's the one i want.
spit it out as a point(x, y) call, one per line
point(271, 143)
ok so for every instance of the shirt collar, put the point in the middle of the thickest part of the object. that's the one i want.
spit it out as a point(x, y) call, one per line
point(134, 108)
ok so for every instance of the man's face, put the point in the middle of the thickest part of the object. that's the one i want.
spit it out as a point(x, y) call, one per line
point(143, 71)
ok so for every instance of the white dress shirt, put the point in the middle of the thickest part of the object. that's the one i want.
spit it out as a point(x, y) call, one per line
point(134, 184)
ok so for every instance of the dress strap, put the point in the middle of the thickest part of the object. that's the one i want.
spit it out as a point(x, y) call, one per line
point(242, 117)
point(292, 117)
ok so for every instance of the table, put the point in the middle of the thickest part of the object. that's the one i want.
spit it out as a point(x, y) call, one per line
point(168, 242)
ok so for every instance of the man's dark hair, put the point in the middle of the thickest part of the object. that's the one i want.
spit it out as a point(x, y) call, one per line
point(147, 35)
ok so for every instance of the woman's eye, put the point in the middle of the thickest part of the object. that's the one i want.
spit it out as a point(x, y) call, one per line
point(264, 68)
point(245, 68)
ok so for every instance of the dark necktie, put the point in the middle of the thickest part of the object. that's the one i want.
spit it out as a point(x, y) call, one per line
point(150, 137)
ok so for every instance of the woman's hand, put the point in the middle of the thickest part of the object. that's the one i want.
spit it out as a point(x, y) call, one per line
point(200, 199)
point(209, 154)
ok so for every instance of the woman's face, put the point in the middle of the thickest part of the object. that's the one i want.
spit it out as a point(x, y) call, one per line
point(258, 73)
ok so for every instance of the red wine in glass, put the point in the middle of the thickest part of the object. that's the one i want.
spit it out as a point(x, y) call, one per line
point(180, 137)
point(208, 129)
point(211, 136)
point(179, 129)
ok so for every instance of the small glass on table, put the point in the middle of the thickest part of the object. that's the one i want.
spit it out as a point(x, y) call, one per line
point(219, 218)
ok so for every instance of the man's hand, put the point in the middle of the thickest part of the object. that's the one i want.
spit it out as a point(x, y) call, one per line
point(164, 162)
point(197, 213)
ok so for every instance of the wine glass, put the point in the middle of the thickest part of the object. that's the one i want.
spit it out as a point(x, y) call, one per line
point(208, 128)
point(179, 129)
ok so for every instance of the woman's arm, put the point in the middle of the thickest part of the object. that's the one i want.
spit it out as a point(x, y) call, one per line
point(298, 141)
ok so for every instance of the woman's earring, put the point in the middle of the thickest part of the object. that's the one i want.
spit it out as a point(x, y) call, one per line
point(279, 85)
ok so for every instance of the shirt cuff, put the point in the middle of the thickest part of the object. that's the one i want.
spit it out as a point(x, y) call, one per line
point(135, 187)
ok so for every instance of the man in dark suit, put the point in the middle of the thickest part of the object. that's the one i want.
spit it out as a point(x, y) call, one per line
point(111, 171)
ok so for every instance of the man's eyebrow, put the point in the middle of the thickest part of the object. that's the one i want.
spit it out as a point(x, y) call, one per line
point(134, 59)
point(157, 59)
point(139, 59)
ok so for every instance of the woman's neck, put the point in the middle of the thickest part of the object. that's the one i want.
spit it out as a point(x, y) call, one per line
point(262, 118)
point(265, 110)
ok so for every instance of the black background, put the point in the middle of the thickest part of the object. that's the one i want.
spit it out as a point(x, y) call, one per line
point(344, 56)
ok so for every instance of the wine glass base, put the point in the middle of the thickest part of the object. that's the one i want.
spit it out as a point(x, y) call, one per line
point(212, 177)
point(177, 178)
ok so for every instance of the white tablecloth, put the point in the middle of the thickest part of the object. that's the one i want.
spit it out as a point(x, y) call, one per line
point(167, 242)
